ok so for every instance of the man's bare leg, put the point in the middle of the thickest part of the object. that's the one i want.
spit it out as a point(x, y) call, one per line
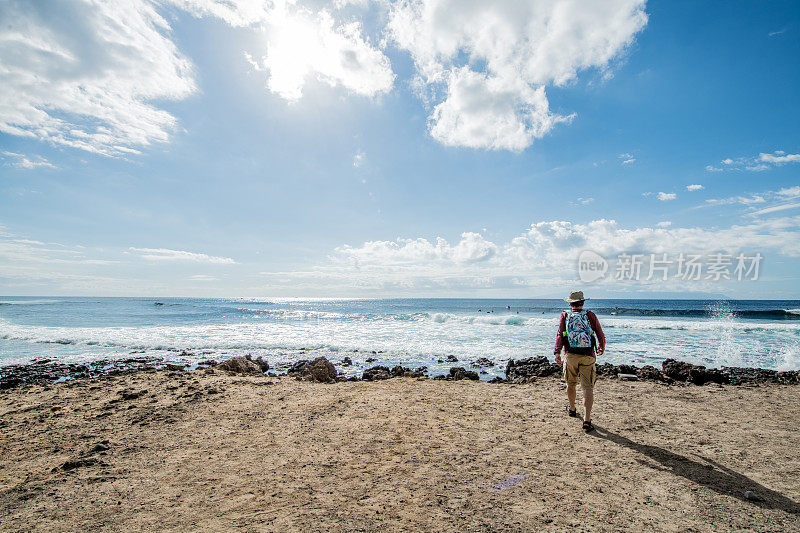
point(588, 401)
point(572, 393)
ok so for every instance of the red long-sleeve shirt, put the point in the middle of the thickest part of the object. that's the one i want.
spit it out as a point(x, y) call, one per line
point(598, 331)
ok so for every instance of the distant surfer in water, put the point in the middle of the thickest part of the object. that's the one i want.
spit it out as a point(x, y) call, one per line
point(581, 337)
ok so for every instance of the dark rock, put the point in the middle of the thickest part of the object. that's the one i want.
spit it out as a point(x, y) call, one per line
point(376, 373)
point(262, 363)
point(370, 360)
point(788, 377)
point(397, 371)
point(297, 367)
point(10, 382)
point(320, 370)
point(497, 379)
point(347, 361)
point(240, 365)
point(482, 362)
point(421, 369)
point(650, 373)
point(606, 369)
point(521, 371)
point(170, 366)
point(738, 375)
point(451, 359)
point(677, 370)
point(459, 372)
point(697, 374)
point(627, 369)
point(440, 377)
point(207, 362)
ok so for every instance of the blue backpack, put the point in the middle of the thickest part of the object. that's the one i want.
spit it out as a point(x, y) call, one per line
point(578, 333)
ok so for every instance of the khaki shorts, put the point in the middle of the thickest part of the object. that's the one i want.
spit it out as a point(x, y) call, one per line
point(580, 368)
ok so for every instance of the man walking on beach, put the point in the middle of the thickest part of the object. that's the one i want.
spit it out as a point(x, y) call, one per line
point(581, 336)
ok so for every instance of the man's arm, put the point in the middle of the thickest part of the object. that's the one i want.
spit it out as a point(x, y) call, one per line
point(601, 338)
point(559, 334)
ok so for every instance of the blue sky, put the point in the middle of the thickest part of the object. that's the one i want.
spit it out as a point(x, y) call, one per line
point(373, 148)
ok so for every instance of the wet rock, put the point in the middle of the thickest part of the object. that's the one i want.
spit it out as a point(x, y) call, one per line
point(320, 370)
point(738, 375)
point(376, 373)
point(451, 359)
point(459, 372)
point(497, 379)
point(262, 363)
point(297, 367)
point(789, 377)
point(207, 362)
point(482, 362)
point(170, 366)
point(397, 371)
point(532, 367)
point(240, 365)
point(347, 361)
point(440, 377)
point(370, 360)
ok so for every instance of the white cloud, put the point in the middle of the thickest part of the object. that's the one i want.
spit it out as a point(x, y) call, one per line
point(84, 74)
point(90, 75)
point(25, 162)
point(359, 158)
point(694, 187)
point(202, 277)
point(581, 201)
point(664, 224)
point(667, 196)
point(762, 203)
point(543, 256)
point(627, 159)
point(303, 44)
point(759, 163)
point(486, 112)
point(485, 65)
point(779, 158)
point(164, 254)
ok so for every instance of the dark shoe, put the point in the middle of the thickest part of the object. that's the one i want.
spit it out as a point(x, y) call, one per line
point(572, 412)
point(588, 426)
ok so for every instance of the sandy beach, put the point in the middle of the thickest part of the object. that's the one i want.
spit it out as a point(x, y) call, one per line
point(171, 450)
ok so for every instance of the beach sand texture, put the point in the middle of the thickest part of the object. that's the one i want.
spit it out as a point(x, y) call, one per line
point(188, 451)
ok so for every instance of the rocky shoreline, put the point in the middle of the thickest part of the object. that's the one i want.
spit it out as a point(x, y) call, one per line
point(43, 371)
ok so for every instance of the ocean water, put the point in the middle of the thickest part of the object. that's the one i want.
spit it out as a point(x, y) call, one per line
point(411, 332)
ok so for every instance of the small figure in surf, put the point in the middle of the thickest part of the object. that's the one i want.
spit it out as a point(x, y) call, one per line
point(581, 337)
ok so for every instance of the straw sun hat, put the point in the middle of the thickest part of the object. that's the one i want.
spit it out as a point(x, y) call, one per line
point(575, 296)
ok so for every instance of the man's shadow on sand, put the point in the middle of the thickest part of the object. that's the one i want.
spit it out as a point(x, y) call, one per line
point(711, 474)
